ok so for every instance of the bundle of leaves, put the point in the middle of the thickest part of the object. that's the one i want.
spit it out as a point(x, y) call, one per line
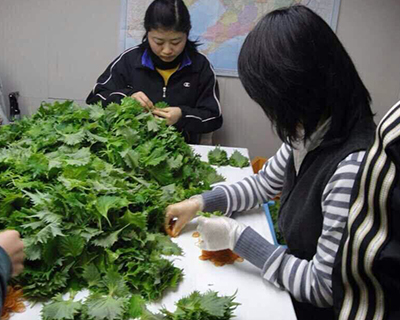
point(219, 157)
point(238, 160)
point(274, 211)
point(87, 189)
point(196, 306)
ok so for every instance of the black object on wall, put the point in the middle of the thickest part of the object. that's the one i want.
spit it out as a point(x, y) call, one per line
point(15, 112)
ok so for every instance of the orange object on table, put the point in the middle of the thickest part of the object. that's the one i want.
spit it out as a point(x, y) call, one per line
point(13, 303)
point(258, 163)
point(220, 258)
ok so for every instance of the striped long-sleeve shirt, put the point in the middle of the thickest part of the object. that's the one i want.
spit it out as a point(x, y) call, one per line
point(307, 281)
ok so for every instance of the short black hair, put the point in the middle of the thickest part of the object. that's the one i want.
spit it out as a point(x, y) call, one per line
point(294, 66)
point(168, 15)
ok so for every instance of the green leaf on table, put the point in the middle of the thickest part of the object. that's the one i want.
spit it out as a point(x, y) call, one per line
point(137, 219)
point(218, 157)
point(164, 244)
point(136, 306)
point(203, 306)
point(155, 157)
point(72, 246)
point(96, 112)
point(209, 175)
point(175, 163)
point(91, 274)
point(115, 284)
point(50, 231)
point(73, 138)
point(147, 315)
point(60, 309)
point(105, 307)
point(214, 305)
point(108, 240)
point(32, 251)
point(89, 233)
point(152, 125)
point(78, 158)
point(131, 158)
point(96, 138)
point(106, 203)
point(238, 160)
point(38, 198)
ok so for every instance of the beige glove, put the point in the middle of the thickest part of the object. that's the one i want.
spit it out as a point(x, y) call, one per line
point(170, 114)
point(179, 214)
point(144, 101)
point(219, 233)
point(12, 244)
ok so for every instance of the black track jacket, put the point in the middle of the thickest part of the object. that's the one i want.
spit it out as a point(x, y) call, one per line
point(193, 88)
point(366, 273)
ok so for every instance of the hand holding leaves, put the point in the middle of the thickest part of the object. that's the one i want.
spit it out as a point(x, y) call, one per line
point(170, 114)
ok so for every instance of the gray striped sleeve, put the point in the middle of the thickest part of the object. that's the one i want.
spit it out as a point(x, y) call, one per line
point(252, 191)
point(310, 281)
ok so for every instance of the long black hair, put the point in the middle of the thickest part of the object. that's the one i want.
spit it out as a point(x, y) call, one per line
point(168, 15)
point(294, 66)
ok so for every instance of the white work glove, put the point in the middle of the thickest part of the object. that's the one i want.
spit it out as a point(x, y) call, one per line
point(178, 215)
point(219, 233)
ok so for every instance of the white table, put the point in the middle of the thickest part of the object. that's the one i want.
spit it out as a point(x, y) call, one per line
point(259, 300)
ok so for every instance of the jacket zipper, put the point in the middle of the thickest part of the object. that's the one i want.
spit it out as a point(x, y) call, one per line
point(164, 92)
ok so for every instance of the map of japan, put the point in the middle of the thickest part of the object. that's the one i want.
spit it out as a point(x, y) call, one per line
point(222, 25)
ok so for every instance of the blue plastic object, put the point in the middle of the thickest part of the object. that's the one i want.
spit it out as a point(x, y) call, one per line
point(269, 219)
point(271, 223)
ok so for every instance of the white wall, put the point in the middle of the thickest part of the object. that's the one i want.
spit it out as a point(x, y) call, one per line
point(370, 30)
point(57, 49)
point(53, 49)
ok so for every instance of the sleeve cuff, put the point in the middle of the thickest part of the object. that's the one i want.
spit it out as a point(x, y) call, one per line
point(180, 125)
point(254, 248)
point(5, 265)
point(215, 200)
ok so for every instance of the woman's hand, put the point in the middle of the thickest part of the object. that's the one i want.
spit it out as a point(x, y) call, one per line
point(144, 101)
point(219, 233)
point(179, 214)
point(12, 244)
point(170, 114)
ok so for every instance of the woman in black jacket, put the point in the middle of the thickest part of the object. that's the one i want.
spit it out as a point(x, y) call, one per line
point(166, 67)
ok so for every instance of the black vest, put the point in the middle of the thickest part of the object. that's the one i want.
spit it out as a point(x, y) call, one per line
point(300, 216)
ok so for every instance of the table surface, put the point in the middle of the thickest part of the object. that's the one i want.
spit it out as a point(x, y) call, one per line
point(259, 299)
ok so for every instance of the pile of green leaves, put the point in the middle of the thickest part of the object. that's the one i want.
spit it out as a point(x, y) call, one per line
point(274, 211)
point(219, 157)
point(87, 189)
point(197, 306)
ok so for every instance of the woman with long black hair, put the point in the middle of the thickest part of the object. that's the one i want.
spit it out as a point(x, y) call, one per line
point(294, 66)
point(166, 67)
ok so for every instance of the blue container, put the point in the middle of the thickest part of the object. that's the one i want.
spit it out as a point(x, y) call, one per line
point(270, 222)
